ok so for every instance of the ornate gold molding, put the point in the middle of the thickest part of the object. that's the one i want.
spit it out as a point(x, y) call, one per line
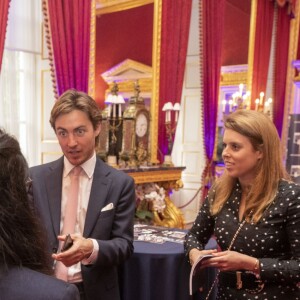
point(169, 179)
point(289, 90)
point(109, 6)
point(234, 78)
point(126, 73)
point(123, 67)
point(154, 107)
point(128, 86)
point(156, 176)
point(171, 216)
point(91, 86)
point(251, 43)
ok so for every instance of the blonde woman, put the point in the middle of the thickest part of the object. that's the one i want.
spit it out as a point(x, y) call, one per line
point(253, 210)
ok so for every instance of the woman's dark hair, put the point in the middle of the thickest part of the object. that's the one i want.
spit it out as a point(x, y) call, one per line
point(22, 241)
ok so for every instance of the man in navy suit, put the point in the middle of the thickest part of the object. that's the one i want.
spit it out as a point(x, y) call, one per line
point(103, 235)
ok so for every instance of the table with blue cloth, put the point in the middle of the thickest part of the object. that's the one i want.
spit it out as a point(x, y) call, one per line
point(159, 272)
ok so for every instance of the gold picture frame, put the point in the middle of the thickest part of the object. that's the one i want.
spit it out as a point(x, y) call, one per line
point(109, 6)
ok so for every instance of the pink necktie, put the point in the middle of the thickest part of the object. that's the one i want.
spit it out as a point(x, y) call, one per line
point(70, 217)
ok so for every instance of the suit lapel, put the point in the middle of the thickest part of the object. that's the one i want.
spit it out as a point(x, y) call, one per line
point(54, 191)
point(98, 196)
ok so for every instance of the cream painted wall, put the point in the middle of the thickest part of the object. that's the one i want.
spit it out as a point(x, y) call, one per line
point(188, 148)
point(50, 149)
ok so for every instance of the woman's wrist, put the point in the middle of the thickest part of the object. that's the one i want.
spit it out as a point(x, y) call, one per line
point(254, 267)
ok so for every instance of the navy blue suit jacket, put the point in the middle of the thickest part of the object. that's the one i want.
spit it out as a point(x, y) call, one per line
point(26, 284)
point(113, 229)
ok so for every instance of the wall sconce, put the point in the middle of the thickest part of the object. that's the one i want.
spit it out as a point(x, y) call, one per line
point(170, 129)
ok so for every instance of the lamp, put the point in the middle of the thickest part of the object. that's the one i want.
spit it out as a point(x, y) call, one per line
point(114, 103)
point(170, 129)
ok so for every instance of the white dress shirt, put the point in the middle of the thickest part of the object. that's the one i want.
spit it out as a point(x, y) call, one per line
point(85, 184)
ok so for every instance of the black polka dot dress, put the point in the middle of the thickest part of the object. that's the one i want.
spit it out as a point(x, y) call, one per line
point(274, 240)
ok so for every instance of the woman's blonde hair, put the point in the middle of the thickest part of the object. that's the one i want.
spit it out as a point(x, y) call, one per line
point(262, 134)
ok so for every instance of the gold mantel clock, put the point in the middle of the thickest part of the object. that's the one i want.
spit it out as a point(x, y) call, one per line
point(136, 124)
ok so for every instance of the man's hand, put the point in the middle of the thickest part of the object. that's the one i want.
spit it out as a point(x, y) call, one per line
point(82, 248)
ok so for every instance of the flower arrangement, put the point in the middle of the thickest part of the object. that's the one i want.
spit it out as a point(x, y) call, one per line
point(149, 197)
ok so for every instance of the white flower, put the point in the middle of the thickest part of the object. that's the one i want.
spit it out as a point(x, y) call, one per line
point(151, 192)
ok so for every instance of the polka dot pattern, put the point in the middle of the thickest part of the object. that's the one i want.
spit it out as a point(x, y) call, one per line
point(274, 240)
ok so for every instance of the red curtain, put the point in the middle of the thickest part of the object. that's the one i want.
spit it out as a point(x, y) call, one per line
point(4, 7)
point(174, 39)
point(262, 48)
point(69, 29)
point(213, 22)
point(281, 63)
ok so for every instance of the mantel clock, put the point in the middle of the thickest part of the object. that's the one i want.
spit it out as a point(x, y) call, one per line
point(136, 121)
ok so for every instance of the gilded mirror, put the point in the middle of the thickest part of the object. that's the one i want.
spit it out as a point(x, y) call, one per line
point(108, 9)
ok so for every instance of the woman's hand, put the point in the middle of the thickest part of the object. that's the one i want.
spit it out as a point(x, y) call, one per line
point(231, 261)
point(195, 253)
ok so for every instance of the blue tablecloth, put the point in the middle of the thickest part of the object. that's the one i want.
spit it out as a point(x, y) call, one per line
point(158, 272)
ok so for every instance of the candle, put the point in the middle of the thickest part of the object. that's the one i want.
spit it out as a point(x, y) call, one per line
point(256, 104)
point(248, 100)
point(241, 87)
point(261, 97)
point(266, 107)
point(167, 108)
point(120, 110)
point(114, 110)
point(270, 101)
point(223, 105)
point(234, 96)
point(244, 101)
point(230, 105)
point(108, 110)
point(176, 116)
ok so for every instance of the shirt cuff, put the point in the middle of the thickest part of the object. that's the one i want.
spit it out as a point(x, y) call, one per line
point(91, 259)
